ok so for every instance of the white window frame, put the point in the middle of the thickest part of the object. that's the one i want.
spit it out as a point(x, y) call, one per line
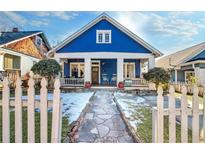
point(79, 63)
point(125, 70)
point(103, 32)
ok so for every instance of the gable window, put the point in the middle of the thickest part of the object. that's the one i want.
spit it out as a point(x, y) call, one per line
point(103, 36)
point(39, 41)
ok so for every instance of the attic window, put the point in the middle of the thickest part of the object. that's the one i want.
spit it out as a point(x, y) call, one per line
point(103, 36)
point(38, 41)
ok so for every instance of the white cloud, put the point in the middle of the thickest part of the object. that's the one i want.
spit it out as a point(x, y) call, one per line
point(39, 23)
point(15, 17)
point(59, 14)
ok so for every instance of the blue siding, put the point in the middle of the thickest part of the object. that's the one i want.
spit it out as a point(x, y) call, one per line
point(86, 42)
point(137, 66)
point(200, 56)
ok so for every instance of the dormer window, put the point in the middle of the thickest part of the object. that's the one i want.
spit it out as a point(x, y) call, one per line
point(103, 36)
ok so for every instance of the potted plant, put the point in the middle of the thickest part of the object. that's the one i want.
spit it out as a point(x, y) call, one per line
point(87, 84)
point(121, 85)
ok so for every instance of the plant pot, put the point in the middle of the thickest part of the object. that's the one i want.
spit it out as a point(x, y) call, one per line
point(87, 85)
point(120, 85)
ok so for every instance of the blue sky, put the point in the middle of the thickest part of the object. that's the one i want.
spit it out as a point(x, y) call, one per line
point(166, 31)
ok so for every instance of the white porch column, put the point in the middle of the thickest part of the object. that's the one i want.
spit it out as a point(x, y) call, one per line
point(120, 62)
point(87, 76)
point(197, 74)
point(1, 62)
point(151, 62)
point(175, 76)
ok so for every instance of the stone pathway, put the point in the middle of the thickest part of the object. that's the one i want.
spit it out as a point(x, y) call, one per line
point(103, 123)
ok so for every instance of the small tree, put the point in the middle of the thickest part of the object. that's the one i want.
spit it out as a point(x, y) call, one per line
point(48, 68)
point(158, 76)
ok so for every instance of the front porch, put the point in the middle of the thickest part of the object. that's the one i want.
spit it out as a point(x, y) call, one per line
point(103, 72)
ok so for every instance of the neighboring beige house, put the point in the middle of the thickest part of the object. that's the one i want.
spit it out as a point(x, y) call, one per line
point(185, 63)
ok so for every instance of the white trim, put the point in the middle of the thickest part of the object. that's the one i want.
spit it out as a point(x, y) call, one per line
point(115, 23)
point(104, 55)
point(193, 62)
point(98, 61)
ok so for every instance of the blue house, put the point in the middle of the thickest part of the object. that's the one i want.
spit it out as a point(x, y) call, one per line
point(185, 64)
point(104, 52)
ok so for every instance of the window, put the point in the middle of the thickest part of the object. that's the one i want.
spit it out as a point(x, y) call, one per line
point(77, 70)
point(103, 36)
point(11, 62)
point(129, 70)
point(38, 41)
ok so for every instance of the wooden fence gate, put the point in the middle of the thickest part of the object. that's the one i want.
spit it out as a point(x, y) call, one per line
point(184, 111)
point(43, 104)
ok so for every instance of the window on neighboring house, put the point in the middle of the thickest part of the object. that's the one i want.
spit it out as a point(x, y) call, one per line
point(39, 41)
point(129, 70)
point(189, 75)
point(77, 70)
point(103, 36)
point(11, 62)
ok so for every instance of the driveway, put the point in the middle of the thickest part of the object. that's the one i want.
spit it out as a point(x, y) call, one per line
point(103, 123)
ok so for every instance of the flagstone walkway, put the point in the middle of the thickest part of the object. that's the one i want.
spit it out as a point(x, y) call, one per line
point(103, 123)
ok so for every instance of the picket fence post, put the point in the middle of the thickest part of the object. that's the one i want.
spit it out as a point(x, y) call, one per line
point(204, 113)
point(172, 116)
point(18, 111)
point(56, 117)
point(195, 118)
point(184, 119)
point(6, 112)
point(31, 111)
point(160, 115)
point(43, 111)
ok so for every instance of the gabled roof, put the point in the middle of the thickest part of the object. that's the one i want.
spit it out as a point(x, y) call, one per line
point(104, 16)
point(12, 37)
point(180, 57)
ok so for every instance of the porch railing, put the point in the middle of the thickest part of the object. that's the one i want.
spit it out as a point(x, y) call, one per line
point(72, 82)
point(135, 82)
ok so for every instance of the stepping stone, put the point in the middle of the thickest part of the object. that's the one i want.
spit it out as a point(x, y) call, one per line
point(114, 133)
point(105, 117)
point(98, 120)
point(103, 130)
point(89, 116)
point(94, 131)
point(125, 139)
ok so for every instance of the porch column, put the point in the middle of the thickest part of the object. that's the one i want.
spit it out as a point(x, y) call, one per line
point(1, 62)
point(151, 62)
point(120, 62)
point(197, 74)
point(58, 60)
point(87, 76)
point(175, 76)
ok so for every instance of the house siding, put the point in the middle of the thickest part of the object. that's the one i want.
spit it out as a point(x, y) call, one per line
point(180, 76)
point(120, 42)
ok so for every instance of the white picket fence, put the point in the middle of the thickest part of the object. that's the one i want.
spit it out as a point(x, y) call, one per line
point(159, 112)
point(31, 104)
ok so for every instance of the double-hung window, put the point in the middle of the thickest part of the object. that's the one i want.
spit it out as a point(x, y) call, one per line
point(103, 36)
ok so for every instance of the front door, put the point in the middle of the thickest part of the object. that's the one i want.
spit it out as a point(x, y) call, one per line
point(95, 75)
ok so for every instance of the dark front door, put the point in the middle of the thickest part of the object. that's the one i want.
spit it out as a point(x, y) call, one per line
point(95, 75)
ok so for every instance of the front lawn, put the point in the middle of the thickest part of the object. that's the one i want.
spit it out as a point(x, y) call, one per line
point(65, 126)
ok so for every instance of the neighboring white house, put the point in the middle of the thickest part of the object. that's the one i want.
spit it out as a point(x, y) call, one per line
point(104, 52)
point(186, 63)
